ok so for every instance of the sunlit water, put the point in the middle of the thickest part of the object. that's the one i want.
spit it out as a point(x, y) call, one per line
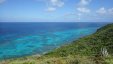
point(21, 39)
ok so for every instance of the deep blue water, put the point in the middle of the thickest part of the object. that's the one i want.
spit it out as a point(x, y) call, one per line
point(27, 38)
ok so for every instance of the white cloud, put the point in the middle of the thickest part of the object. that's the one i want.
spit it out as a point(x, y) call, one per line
point(2, 1)
point(82, 6)
point(110, 10)
point(54, 4)
point(104, 13)
point(84, 2)
point(57, 3)
point(50, 9)
point(83, 10)
point(101, 10)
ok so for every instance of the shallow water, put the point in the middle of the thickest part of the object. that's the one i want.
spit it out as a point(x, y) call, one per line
point(21, 39)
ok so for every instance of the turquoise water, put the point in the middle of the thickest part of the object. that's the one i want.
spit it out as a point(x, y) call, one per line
point(41, 43)
point(17, 44)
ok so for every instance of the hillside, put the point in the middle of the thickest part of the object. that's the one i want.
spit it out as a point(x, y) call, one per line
point(89, 45)
point(93, 49)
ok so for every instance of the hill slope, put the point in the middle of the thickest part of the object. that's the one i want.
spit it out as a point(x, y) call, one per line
point(93, 49)
point(89, 45)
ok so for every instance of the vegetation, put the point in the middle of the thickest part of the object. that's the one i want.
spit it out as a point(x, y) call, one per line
point(93, 49)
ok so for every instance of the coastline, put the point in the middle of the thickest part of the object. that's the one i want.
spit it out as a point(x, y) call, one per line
point(79, 51)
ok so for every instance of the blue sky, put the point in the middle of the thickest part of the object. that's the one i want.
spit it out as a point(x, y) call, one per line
point(56, 10)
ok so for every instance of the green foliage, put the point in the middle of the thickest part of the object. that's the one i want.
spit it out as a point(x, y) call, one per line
point(28, 63)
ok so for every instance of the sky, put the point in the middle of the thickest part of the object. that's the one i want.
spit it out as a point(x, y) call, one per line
point(56, 10)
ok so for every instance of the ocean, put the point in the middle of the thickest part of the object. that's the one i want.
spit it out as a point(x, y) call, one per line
point(19, 39)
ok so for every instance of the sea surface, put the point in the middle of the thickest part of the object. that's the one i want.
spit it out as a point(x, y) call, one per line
point(27, 38)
